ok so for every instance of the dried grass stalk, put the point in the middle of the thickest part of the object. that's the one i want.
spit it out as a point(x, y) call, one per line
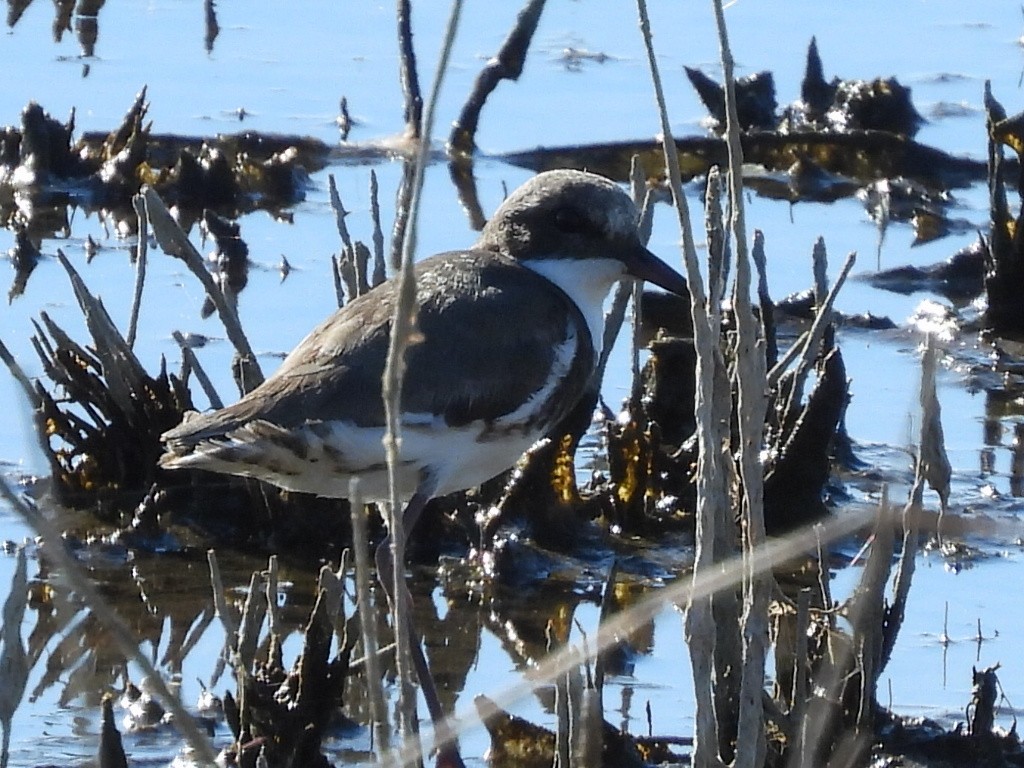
point(403, 326)
point(712, 494)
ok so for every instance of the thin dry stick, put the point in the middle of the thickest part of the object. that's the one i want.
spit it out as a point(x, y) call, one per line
point(345, 266)
point(641, 198)
point(339, 288)
point(590, 743)
point(507, 64)
point(819, 267)
point(751, 407)
point(700, 625)
point(807, 347)
point(77, 580)
point(271, 591)
point(933, 458)
point(228, 615)
point(867, 613)
point(139, 203)
point(242, 647)
point(402, 329)
point(368, 624)
point(407, 72)
point(339, 212)
point(332, 583)
point(562, 718)
point(726, 606)
point(197, 368)
point(717, 240)
point(175, 243)
point(803, 623)
point(764, 299)
point(616, 313)
point(379, 269)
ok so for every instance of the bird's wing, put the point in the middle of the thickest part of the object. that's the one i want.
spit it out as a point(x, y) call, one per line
point(488, 331)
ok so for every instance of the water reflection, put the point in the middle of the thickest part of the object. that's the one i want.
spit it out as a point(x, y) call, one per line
point(82, 18)
point(167, 603)
point(1004, 414)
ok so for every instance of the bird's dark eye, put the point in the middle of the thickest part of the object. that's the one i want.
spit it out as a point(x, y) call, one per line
point(571, 221)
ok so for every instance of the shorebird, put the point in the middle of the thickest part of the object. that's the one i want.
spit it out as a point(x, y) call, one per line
point(509, 333)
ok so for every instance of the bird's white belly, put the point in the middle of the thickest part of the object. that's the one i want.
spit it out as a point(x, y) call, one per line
point(455, 458)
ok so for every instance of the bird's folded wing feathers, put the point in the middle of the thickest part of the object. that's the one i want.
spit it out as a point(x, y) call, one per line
point(487, 331)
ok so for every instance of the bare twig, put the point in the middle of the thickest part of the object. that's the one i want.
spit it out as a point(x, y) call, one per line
point(271, 591)
point(819, 268)
point(616, 313)
point(764, 299)
point(139, 203)
point(808, 346)
point(751, 408)
point(339, 288)
point(403, 207)
point(407, 72)
point(803, 623)
point(223, 611)
point(590, 738)
point(197, 368)
point(175, 242)
point(345, 267)
point(717, 237)
point(867, 611)
point(379, 270)
point(506, 65)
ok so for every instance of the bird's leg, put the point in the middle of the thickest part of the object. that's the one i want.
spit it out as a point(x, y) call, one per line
point(447, 748)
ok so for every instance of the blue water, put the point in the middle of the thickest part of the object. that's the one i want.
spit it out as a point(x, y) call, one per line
point(287, 65)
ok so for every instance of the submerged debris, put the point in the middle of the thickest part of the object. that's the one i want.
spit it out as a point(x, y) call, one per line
point(283, 713)
point(755, 99)
point(839, 137)
point(842, 106)
point(962, 276)
point(43, 169)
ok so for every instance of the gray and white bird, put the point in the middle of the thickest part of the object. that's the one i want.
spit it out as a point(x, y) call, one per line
point(509, 335)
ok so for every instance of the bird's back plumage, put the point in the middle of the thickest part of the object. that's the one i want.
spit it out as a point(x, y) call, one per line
point(332, 380)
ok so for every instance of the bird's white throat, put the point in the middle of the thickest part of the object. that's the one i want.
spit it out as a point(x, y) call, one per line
point(585, 281)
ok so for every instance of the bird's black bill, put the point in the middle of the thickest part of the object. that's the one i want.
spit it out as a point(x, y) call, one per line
point(648, 267)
